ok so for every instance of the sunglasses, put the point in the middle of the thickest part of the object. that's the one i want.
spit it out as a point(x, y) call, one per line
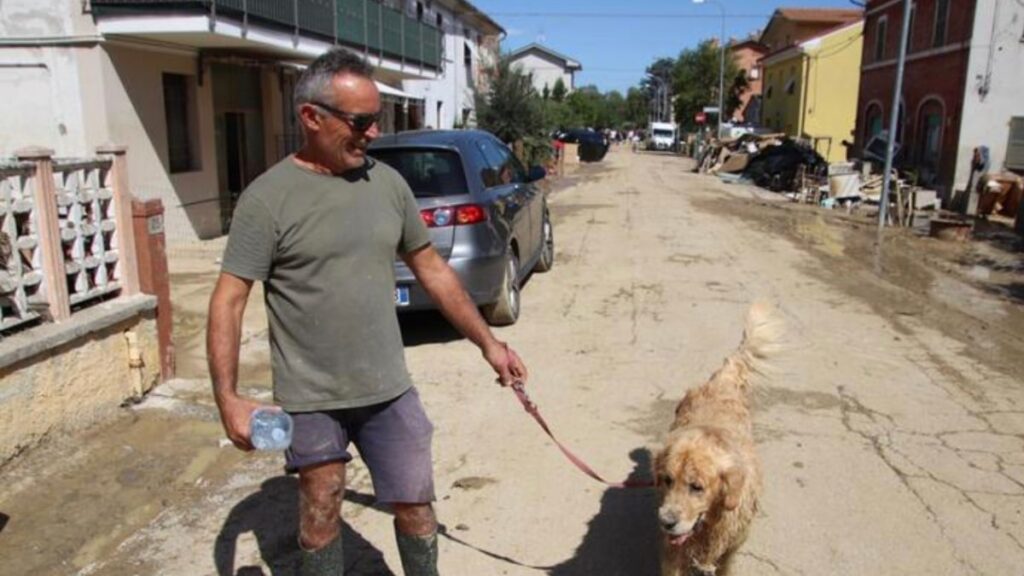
point(358, 122)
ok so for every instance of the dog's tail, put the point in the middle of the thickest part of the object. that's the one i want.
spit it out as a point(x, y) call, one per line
point(762, 339)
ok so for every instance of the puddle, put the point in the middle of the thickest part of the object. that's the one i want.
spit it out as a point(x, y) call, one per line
point(905, 277)
point(137, 467)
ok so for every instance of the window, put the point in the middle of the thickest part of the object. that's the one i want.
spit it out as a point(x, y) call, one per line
point(467, 60)
point(872, 122)
point(1015, 146)
point(180, 115)
point(500, 166)
point(910, 30)
point(941, 23)
point(428, 172)
point(929, 140)
point(419, 11)
point(881, 30)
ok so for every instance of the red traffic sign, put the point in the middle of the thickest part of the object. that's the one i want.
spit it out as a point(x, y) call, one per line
point(701, 117)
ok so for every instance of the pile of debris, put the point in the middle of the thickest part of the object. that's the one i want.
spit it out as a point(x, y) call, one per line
point(772, 161)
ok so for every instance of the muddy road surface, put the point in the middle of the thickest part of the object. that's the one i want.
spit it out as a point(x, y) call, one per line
point(891, 429)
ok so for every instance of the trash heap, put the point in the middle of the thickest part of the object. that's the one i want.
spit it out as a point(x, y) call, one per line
point(772, 161)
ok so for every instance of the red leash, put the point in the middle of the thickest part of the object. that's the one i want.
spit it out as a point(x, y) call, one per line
point(531, 408)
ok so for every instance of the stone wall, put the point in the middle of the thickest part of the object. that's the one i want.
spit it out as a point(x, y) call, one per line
point(63, 377)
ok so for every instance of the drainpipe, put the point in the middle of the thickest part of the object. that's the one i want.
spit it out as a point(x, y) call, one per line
point(135, 363)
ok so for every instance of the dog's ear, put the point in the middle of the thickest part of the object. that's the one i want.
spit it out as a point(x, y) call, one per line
point(732, 486)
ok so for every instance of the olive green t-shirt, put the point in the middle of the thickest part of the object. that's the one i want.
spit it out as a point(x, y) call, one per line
point(324, 248)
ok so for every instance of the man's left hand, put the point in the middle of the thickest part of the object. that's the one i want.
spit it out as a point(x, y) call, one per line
point(506, 363)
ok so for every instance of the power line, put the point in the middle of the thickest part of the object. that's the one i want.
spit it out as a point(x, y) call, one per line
point(673, 15)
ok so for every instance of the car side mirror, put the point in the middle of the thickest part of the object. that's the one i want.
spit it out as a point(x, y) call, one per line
point(536, 173)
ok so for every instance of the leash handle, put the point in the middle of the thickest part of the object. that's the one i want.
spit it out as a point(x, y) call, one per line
point(532, 410)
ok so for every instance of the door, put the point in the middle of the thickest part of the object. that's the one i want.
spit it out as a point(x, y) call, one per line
point(238, 121)
point(510, 198)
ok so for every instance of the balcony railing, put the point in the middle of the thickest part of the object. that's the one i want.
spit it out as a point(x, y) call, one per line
point(365, 25)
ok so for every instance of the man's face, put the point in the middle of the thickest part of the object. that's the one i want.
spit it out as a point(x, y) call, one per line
point(340, 137)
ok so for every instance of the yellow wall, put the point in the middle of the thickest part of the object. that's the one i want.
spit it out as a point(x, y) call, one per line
point(823, 77)
point(783, 94)
point(833, 82)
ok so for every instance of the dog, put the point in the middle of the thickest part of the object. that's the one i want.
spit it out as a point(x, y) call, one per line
point(707, 474)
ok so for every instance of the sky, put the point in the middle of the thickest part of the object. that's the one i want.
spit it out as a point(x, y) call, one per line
point(616, 40)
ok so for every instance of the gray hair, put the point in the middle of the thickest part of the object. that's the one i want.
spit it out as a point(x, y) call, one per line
point(315, 82)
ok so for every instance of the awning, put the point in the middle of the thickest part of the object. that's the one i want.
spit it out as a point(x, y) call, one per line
point(386, 90)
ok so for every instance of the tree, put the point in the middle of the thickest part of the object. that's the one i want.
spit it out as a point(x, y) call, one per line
point(636, 109)
point(735, 91)
point(695, 81)
point(559, 91)
point(546, 93)
point(510, 109)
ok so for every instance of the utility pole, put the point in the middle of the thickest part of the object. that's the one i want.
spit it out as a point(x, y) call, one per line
point(883, 207)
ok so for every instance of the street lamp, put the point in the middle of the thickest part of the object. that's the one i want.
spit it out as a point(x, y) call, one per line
point(659, 99)
point(721, 63)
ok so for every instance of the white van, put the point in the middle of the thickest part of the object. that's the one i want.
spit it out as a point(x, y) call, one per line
point(662, 136)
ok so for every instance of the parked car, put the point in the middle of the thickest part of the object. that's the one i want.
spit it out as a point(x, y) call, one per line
point(593, 145)
point(485, 215)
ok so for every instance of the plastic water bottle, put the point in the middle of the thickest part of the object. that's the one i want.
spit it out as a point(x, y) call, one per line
point(270, 429)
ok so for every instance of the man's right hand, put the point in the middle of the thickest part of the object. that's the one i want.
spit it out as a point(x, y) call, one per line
point(235, 415)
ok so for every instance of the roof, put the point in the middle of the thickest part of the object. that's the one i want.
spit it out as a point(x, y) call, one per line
point(787, 52)
point(570, 63)
point(820, 14)
point(814, 16)
point(466, 9)
point(751, 43)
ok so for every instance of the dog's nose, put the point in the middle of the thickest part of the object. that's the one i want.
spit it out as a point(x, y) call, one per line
point(668, 518)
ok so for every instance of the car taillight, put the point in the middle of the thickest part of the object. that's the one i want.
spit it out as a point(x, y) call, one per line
point(453, 215)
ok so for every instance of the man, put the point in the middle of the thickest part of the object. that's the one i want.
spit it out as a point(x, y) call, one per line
point(321, 230)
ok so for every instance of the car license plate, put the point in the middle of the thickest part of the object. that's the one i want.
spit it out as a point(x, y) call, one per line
point(401, 296)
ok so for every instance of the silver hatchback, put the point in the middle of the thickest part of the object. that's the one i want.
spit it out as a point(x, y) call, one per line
point(485, 214)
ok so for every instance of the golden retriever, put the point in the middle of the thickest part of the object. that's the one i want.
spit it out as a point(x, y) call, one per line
point(708, 475)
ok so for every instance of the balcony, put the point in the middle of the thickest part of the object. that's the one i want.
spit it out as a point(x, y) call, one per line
point(364, 25)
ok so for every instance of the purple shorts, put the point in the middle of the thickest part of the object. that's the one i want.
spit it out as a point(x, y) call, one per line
point(392, 437)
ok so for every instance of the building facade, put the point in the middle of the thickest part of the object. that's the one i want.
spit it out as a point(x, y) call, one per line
point(546, 67)
point(929, 115)
point(810, 89)
point(993, 112)
point(790, 26)
point(200, 91)
point(471, 46)
point(747, 56)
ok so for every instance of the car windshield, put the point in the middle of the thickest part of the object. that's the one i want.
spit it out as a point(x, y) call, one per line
point(428, 172)
point(663, 133)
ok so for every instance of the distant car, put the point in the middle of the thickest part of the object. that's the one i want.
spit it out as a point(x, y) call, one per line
point(593, 145)
point(485, 215)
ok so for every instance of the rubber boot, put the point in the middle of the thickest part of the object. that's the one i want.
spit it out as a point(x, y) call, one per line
point(418, 553)
point(327, 561)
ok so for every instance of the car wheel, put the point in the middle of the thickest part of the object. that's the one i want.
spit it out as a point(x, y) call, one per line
point(547, 253)
point(505, 311)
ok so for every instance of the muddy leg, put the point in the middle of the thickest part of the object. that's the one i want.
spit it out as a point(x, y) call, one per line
point(416, 534)
point(321, 488)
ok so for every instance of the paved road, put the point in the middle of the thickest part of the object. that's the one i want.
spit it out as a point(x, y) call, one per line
point(892, 429)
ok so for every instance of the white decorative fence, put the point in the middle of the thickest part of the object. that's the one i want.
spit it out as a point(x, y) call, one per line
point(65, 235)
